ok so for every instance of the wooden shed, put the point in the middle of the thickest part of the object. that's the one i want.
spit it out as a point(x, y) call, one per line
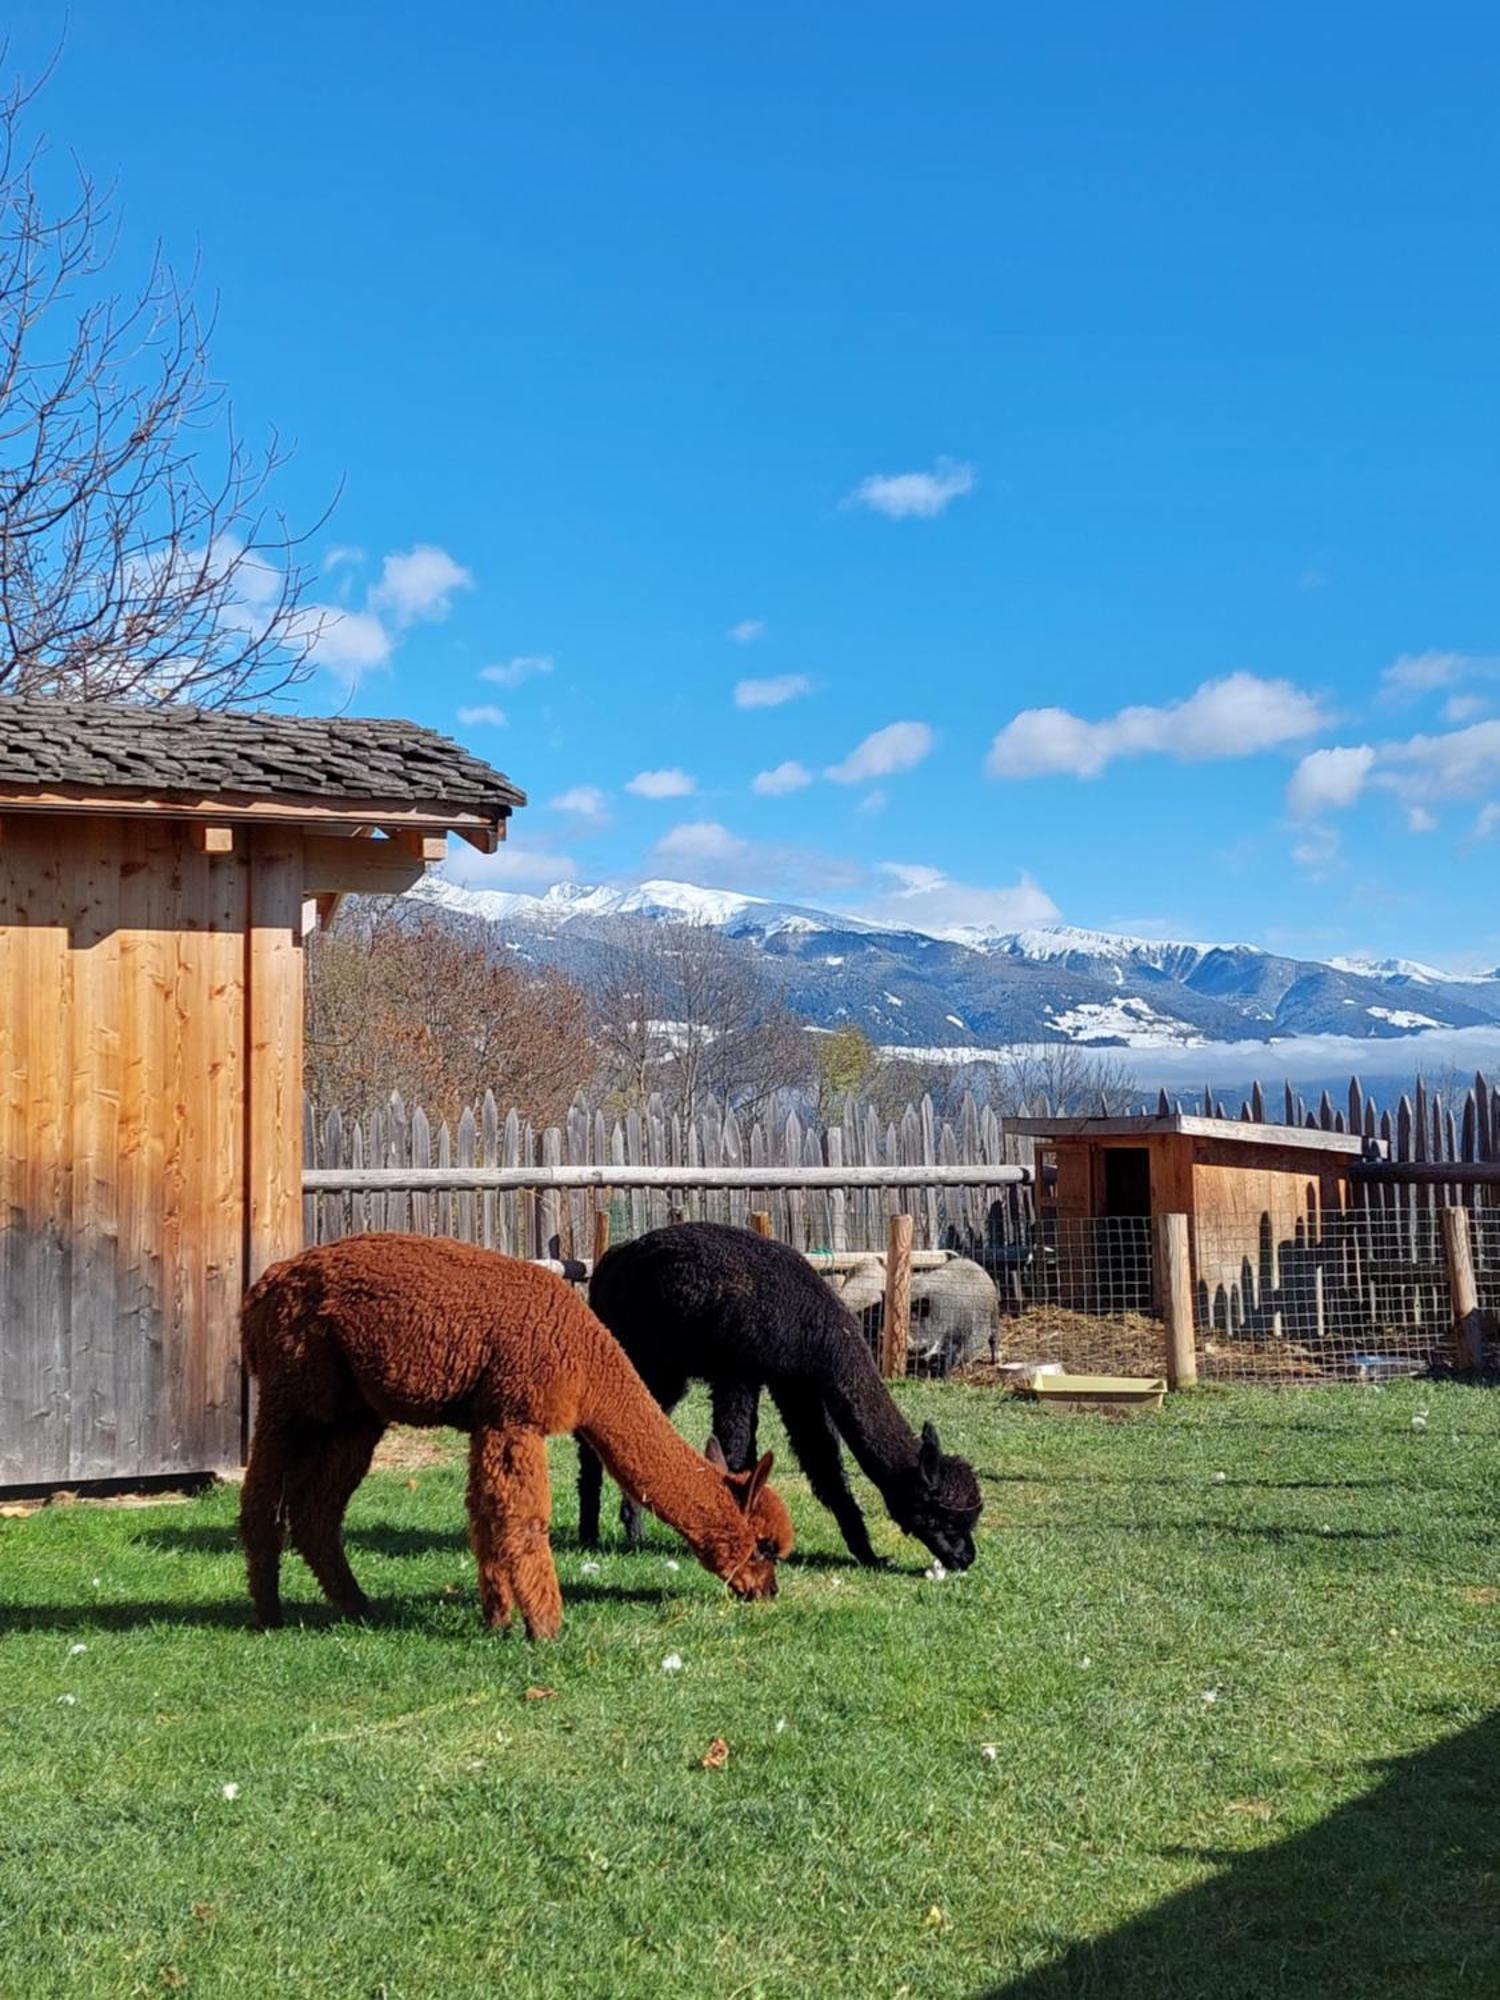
point(159, 870)
point(1235, 1181)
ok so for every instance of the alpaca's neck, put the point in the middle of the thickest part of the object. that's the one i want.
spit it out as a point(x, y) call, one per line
point(645, 1455)
point(883, 1443)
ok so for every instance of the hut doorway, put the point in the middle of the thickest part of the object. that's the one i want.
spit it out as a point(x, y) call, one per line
point(1126, 1229)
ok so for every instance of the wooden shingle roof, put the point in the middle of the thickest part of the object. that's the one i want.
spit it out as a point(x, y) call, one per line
point(171, 750)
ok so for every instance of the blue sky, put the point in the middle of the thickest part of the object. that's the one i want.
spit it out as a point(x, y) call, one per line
point(1127, 371)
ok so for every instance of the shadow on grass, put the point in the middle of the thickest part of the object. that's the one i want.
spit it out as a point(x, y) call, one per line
point(221, 1541)
point(1395, 1896)
point(414, 1612)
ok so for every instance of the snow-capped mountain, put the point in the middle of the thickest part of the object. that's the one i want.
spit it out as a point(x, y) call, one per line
point(980, 989)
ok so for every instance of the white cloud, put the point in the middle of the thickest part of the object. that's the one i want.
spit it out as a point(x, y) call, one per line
point(1488, 820)
point(1464, 707)
point(902, 496)
point(343, 555)
point(350, 644)
point(875, 801)
point(1458, 763)
point(771, 693)
point(671, 784)
point(513, 865)
point(583, 801)
point(1329, 778)
point(787, 777)
point(1317, 849)
point(898, 747)
point(701, 840)
point(418, 585)
point(1233, 717)
point(747, 631)
point(1420, 820)
point(524, 667)
point(485, 716)
point(1422, 673)
point(925, 899)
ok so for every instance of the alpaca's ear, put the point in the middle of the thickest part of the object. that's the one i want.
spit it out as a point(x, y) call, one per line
point(929, 1455)
point(713, 1451)
point(758, 1479)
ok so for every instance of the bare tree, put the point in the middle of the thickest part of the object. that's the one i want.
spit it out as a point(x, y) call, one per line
point(680, 1010)
point(427, 1008)
point(1067, 1078)
point(135, 561)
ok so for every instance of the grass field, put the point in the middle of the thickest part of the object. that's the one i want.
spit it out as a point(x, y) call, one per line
point(1237, 1664)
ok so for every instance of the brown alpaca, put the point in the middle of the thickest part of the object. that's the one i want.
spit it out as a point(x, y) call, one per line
point(374, 1330)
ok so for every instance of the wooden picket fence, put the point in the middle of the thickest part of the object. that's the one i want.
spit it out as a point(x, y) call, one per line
point(547, 1221)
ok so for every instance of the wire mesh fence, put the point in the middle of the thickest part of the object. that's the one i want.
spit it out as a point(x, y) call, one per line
point(1356, 1294)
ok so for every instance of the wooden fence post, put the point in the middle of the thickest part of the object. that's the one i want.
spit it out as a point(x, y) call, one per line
point(897, 1329)
point(601, 1234)
point(760, 1221)
point(1176, 1291)
point(1468, 1320)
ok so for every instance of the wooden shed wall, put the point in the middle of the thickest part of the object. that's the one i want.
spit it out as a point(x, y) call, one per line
point(141, 1146)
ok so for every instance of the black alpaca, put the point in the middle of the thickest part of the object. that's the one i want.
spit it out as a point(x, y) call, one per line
point(701, 1302)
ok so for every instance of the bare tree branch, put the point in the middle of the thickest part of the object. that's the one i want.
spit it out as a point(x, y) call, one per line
point(140, 558)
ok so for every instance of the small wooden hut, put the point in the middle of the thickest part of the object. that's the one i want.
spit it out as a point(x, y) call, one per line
point(1233, 1180)
point(159, 870)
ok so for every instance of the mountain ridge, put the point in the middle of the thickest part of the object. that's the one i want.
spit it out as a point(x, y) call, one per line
point(982, 987)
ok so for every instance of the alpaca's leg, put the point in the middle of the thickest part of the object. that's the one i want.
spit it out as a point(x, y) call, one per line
point(590, 1492)
point(632, 1513)
point(510, 1507)
point(815, 1443)
point(318, 1498)
point(261, 1513)
point(736, 1409)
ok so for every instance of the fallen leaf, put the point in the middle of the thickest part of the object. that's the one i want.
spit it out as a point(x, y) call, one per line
point(411, 1485)
point(204, 1912)
point(935, 1919)
point(172, 1979)
point(540, 1694)
point(716, 1756)
point(1260, 1809)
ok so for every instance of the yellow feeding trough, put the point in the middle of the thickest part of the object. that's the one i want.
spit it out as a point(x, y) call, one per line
point(1095, 1392)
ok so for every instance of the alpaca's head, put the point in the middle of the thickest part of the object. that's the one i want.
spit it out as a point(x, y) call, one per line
point(767, 1521)
point(938, 1501)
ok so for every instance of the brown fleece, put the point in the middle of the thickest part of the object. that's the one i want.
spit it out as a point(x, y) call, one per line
point(375, 1330)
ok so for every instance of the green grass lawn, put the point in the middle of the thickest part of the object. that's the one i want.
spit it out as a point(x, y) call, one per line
point(1238, 1665)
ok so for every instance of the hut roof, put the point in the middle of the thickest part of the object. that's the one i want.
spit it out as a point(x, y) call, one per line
point(1233, 1131)
point(173, 749)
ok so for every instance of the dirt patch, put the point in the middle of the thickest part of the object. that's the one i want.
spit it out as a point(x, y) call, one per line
point(404, 1449)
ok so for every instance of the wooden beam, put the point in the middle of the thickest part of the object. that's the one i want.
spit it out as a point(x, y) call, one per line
point(1470, 1325)
point(210, 839)
point(896, 1328)
point(255, 809)
point(415, 846)
point(486, 838)
point(605, 1174)
point(357, 867)
point(1175, 1288)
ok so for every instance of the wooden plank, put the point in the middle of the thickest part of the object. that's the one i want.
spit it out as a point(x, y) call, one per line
point(896, 1329)
point(274, 1041)
point(331, 866)
point(93, 871)
point(35, 1379)
point(221, 1163)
